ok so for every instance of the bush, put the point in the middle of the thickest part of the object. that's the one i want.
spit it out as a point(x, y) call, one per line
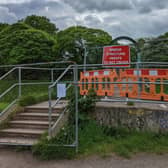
point(129, 103)
point(27, 100)
point(20, 43)
point(53, 148)
point(30, 99)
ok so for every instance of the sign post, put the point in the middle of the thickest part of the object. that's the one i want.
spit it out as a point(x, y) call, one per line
point(117, 55)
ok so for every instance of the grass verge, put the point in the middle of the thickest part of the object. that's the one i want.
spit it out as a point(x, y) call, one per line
point(97, 139)
point(103, 141)
point(3, 105)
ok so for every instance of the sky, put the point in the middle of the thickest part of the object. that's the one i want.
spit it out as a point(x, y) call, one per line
point(134, 18)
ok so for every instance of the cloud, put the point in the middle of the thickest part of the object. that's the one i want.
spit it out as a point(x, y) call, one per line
point(147, 6)
point(135, 18)
point(99, 5)
point(13, 1)
point(6, 15)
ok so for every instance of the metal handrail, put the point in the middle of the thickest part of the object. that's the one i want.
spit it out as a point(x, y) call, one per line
point(36, 68)
point(2, 77)
point(20, 83)
point(49, 101)
point(59, 97)
point(65, 71)
point(35, 64)
point(25, 66)
point(61, 114)
point(8, 107)
point(8, 90)
point(58, 120)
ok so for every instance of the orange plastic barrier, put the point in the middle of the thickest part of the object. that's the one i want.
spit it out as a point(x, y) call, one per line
point(101, 89)
point(128, 90)
point(145, 90)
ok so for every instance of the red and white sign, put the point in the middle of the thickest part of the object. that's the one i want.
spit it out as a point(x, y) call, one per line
point(116, 55)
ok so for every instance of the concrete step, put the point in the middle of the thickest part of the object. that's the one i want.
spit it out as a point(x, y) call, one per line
point(21, 132)
point(35, 116)
point(33, 124)
point(28, 126)
point(17, 141)
point(41, 110)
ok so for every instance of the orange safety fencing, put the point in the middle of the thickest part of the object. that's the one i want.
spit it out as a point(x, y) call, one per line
point(101, 89)
point(129, 87)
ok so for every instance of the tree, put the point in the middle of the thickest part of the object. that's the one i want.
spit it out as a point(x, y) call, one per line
point(22, 44)
point(155, 49)
point(3, 26)
point(40, 23)
point(73, 41)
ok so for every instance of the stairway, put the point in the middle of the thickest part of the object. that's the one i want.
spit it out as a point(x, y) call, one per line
point(27, 127)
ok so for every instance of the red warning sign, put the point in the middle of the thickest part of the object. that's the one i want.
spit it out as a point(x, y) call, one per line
point(119, 55)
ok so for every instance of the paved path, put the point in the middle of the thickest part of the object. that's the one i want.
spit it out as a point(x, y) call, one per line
point(12, 159)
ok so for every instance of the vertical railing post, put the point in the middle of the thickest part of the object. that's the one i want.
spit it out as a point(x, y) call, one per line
point(50, 112)
point(76, 104)
point(20, 81)
point(85, 58)
point(139, 74)
point(52, 75)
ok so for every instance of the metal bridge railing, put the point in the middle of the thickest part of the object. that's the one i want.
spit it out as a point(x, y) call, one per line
point(7, 91)
point(19, 82)
point(51, 106)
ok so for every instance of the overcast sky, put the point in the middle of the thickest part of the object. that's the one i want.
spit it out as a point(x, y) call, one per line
point(135, 18)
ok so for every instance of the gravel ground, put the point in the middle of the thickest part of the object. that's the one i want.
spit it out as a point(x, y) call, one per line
point(13, 159)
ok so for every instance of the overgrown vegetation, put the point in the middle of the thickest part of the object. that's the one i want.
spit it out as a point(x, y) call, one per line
point(53, 148)
point(3, 106)
point(30, 99)
point(97, 139)
point(130, 103)
point(31, 94)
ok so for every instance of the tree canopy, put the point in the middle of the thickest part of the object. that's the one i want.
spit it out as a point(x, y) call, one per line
point(40, 23)
point(19, 43)
point(3, 26)
point(155, 49)
point(36, 39)
point(73, 41)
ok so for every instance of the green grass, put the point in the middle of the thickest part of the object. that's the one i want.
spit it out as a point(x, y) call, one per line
point(31, 94)
point(103, 141)
point(97, 139)
point(94, 139)
point(3, 106)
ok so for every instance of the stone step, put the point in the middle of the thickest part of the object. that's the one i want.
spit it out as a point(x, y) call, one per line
point(17, 141)
point(33, 124)
point(20, 132)
point(41, 110)
point(27, 127)
point(35, 116)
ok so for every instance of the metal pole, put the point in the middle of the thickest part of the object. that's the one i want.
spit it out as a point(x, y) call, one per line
point(52, 75)
point(76, 105)
point(138, 72)
point(85, 57)
point(50, 112)
point(20, 82)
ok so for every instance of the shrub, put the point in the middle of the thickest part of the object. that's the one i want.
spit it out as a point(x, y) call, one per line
point(27, 100)
point(129, 103)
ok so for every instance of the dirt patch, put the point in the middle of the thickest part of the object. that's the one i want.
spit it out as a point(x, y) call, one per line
point(12, 159)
